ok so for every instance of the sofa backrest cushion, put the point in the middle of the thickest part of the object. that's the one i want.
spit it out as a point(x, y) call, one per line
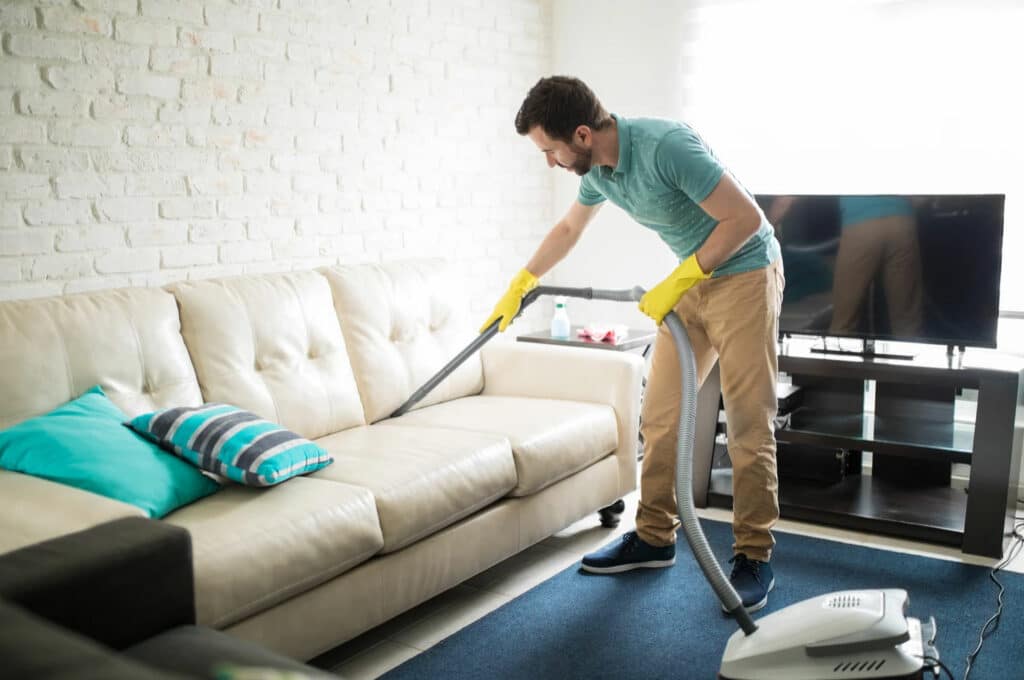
point(271, 344)
point(128, 341)
point(402, 322)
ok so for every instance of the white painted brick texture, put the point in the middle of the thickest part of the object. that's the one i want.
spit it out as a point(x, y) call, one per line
point(148, 141)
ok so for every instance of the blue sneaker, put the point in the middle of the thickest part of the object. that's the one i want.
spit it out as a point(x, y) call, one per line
point(629, 553)
point(753, 580)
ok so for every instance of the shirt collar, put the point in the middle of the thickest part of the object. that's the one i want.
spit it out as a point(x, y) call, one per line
point(625, 146)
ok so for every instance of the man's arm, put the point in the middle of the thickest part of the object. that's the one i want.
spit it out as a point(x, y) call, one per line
point(561, 239)
point(555, 246)
point(738, 219)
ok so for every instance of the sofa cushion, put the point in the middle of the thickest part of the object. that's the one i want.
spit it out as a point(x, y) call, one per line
point(402, 322)
point(36, 510)
point(423, 479)
point(84, 444)
point(128, 341)
point(271, 345)
point(253, 548)
point(551, 439)
point(232, 443)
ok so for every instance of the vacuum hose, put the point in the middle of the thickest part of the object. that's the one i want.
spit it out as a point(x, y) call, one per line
point(684, 476)
point(684, 446)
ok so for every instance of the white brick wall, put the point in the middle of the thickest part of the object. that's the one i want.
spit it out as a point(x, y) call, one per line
point(148, 141)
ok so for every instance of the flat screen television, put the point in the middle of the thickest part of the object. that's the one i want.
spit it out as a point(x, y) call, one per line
point(915, 268)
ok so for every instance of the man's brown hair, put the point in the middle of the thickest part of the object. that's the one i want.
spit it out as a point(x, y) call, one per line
point(560, 104)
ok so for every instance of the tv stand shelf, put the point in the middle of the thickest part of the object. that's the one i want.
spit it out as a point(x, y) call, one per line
point(867, 504)
point(908, 437)
point(912, 436)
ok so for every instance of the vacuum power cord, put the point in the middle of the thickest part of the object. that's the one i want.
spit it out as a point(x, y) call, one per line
point(936, 664)
point(993, 623)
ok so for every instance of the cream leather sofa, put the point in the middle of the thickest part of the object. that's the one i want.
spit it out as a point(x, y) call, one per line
point(520, 442)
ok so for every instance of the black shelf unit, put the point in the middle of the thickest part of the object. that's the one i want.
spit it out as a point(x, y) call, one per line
point(913, 439)
point(906, 437)
point(867, 504)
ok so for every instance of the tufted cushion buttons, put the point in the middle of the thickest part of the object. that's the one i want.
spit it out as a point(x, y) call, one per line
point(253, 340)
point(404, 333)
point(53, 349)
point(439, 320)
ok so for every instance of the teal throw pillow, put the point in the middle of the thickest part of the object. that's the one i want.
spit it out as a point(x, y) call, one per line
point(85, 444)
point(233, 443)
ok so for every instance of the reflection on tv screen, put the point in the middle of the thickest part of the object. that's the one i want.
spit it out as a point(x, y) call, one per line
point(920, 268)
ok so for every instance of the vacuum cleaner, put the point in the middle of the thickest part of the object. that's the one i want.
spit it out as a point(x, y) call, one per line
point(852, 634)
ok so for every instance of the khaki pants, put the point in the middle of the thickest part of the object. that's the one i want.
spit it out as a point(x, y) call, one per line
point(733, 319)
point(887, 245)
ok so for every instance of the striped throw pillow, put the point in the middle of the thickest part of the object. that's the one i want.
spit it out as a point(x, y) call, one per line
point(233, 443)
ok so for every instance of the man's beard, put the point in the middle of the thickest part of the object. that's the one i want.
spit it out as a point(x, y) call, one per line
point(582, 162)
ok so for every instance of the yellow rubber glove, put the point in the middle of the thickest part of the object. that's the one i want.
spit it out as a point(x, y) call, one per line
point(508, 305)
point(661, 299)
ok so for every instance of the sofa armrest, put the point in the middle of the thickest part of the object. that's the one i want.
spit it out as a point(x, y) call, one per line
point(199, 652)
point(117, 583)
point(573, 374)
point(36, 509)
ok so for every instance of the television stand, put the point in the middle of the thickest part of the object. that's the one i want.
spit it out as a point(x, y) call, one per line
point(867, 352)
point(909, 424)
point(951, 350)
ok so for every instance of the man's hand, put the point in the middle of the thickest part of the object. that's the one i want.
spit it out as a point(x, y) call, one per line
point(661, 299)
point(508, 305)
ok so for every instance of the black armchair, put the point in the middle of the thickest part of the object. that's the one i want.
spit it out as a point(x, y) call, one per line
point(115, 601)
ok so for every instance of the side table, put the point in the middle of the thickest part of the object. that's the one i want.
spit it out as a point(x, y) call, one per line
point(638, 339)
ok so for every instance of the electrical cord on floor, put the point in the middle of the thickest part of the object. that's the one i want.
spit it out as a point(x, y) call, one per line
point(933, 662)
point(1015, 549)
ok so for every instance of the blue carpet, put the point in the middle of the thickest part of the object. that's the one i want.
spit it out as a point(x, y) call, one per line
point(666, 623)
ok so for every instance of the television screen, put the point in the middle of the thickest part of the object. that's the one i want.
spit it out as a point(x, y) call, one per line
point(918, 268)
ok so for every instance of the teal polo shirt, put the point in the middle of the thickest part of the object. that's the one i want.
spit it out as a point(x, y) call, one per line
point(664, 171)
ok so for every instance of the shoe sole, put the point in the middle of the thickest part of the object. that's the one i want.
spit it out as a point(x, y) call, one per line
point(757, 606)
point(619, 568)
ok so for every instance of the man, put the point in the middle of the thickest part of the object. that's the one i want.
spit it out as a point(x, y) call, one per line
point(727, 291)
